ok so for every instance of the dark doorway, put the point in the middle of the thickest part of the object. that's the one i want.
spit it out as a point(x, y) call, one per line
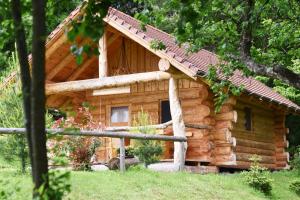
point(165, 113)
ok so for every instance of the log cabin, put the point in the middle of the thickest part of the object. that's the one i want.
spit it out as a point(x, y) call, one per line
point(168, 84)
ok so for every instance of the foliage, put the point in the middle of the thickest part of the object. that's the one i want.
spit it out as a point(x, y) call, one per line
point(7, 194)
point(56, 12)
point(13, 147)
point(148, 151)
point(272, 27)
point(295, 162)
point(258, 177)
point(157, 45)
point(79, 149)
point(129, 152)
point(295, 186)
point(59, 186)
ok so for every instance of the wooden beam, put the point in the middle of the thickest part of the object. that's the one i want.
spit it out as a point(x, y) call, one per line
point(99, 133)
point(112, 38)
point(60, 41)
point(80, 69)
point(111, 91)
point(103, 68)
point(122, 154)
point(60, 66)
point(66, 60)
point(106, 82)
point(178, 123)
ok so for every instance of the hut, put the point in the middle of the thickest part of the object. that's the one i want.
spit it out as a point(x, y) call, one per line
point(167, 84)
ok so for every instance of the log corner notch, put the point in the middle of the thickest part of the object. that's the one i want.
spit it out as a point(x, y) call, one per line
point(281, 142)
point(224, 148)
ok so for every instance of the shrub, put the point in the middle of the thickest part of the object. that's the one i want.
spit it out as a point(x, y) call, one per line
point(78, 149)
point(13, 147)
point(258, 176)
point(148, 151)
point(295, 162)
point(295, 186)
point(129, 152)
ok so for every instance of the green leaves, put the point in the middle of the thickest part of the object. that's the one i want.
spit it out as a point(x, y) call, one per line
point(157, 45)
point(89, 25)
point(218, 26)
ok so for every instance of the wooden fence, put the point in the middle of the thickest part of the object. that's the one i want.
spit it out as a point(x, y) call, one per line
point(113, 134)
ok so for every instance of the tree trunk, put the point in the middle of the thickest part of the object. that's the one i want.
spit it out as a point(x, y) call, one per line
point(24, 69)
point(38, 96)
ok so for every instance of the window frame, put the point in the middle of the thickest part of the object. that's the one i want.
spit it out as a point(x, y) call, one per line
point(160, 109)
point(248, 120)
point(109, 112)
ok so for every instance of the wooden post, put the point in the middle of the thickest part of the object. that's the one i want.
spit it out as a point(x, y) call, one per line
point(103, 56)
point(182, 156)
point(122, 154)
point(177, 119)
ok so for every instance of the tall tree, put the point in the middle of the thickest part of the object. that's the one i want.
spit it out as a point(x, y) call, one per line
point(33, 97)
point(24, 69)
point(38, 134)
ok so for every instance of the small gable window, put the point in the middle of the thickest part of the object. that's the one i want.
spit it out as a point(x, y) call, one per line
point(165, 113)
point(119, 114)
point(248, 118)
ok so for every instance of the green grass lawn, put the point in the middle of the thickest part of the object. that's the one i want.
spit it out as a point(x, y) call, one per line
point(144, 184)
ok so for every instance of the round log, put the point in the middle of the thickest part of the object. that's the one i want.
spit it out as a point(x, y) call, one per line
point(231, 101)
point(231, 116)
point(224, 124)
point(164, 65)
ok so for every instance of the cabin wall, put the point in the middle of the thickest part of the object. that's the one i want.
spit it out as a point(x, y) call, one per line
point(266, 138)
point(147, 97)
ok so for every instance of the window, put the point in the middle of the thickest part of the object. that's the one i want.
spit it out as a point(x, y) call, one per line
point(248, 118)
point(165, 113)
point(119, 114)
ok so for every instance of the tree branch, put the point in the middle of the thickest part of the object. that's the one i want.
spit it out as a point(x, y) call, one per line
point(276, 71)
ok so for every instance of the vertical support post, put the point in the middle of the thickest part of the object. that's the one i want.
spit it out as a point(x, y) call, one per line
point(103, 69)
point(182, 156)
point(122, 154)
point(178, 123)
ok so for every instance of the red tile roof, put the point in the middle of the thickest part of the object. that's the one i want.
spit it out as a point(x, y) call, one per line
point(195, 62)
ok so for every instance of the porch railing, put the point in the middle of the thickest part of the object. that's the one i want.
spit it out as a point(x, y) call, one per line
point(112, 134)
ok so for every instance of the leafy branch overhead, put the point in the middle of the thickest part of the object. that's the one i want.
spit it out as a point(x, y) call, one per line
point(257, 36)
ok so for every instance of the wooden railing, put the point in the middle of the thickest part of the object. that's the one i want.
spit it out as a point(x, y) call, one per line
point(113, 134)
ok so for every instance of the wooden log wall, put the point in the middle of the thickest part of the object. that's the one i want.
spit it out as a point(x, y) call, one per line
point(224, 142)
point(191, 96)
point(281, 142)
point(266, 139)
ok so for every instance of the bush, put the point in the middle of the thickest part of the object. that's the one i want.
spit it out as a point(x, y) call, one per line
point(129, 152)
point(295, 186)
point(59, 185)
point(148, 151)
point(258, 176)
point(78, 149)
point(13, 147)
point(295, 162)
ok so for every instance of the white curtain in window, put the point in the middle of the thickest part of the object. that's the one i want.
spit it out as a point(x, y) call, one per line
point(119, 114)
